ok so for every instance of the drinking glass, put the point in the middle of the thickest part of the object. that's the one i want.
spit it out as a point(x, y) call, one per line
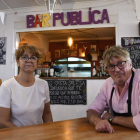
point(71, 71)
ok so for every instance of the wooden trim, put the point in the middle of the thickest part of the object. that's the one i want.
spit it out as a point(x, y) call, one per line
point(88, 78)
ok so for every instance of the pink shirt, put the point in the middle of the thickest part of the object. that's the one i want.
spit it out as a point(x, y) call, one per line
point(119, 103)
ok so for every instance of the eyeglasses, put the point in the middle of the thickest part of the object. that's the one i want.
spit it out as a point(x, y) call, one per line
point(26, 58)
point(120, 65)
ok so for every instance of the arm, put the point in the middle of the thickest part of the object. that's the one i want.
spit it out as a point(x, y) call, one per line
point(5, 118)
point(47, 115)
point(124, 121)
point(100, 125)
point(93, 116)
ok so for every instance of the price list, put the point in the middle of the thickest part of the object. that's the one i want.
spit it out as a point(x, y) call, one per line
point(132, 45)
point(68, 92)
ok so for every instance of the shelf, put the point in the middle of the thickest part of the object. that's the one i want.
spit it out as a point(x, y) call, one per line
point(73, 62)
point(90, 78)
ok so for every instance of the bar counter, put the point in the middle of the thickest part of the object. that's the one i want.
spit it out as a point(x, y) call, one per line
point(76, 129)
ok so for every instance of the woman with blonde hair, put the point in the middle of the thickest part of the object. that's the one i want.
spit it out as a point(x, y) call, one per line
point(24, 99)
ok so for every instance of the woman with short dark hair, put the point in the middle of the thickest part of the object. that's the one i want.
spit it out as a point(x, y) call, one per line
point(24, 99)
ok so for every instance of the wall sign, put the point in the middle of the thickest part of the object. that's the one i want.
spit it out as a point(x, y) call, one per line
point(132, 45)
point(68, 92)
point(2, 50)
point(73, 18)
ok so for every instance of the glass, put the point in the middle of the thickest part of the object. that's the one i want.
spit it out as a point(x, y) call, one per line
point(26, 58)
point(120, 65)
point(71, 71)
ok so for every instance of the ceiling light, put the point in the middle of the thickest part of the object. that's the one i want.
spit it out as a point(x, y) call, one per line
point(51, 5)
point(70, 41)
point(2, 16)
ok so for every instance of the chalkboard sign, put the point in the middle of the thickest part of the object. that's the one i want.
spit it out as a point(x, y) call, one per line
point(68, 92)
point(132, 45)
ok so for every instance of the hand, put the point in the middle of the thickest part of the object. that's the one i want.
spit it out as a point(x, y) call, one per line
point(106, 116)
point(104, 126)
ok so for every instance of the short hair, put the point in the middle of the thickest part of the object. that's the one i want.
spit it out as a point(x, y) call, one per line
point(23, 48)
point(115, 51)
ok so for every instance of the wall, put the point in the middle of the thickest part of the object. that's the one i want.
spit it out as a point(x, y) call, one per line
point(65, 112)
point(100, 46)
point(37, 40)
point(122, 16)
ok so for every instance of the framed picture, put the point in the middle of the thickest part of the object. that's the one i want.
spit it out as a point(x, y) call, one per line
point(81, 53)
point(64, 51)
point(93, 48)
point(2, 50)
point(57, 53)
point(94, 57)
point(72, 52)
point(73, 47)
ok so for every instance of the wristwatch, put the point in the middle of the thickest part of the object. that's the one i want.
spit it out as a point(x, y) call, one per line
point(110, 119)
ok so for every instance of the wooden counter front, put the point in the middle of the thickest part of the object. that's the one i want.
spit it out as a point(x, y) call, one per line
point(76, 129)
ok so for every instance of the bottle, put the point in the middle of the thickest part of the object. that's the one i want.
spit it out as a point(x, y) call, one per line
point(42, 72)
point(94, 70)
point(104, 71)
point(107, 74)
point(55, 75)
point(51, 70)
point(39, 68)
point(47, 71)
point(39, 71)
point(101, 68)
point(36, 73)
point(98, 72)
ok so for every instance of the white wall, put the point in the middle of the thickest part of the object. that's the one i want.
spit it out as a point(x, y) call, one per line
point(122, 16)
point(38, 40)
point(65, 112)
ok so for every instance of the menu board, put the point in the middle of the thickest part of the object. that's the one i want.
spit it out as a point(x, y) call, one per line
point(68, 92)
point(132, 45)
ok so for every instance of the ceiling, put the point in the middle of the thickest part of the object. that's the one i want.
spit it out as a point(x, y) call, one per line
point(60, 34)
point(88, 33)
point(7, 4)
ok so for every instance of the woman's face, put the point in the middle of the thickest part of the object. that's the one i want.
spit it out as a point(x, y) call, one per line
point(27, 62)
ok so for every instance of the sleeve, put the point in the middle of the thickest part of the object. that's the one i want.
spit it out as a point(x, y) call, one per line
point(5, 97)
point(136, 117)
point(100, 104)
point(47, 92)
point(136, 121)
